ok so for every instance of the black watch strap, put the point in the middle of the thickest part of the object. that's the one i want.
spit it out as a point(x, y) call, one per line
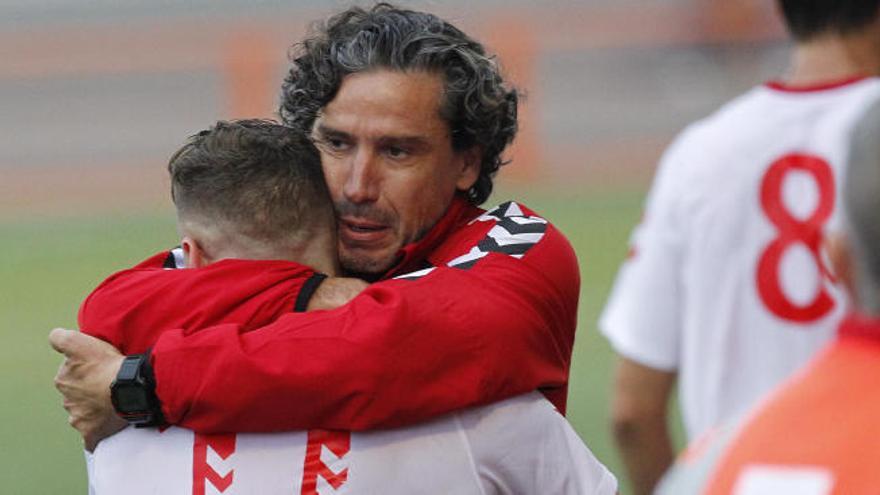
point(133, 393)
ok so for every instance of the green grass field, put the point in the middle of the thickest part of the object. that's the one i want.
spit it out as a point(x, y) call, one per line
point(49, 265)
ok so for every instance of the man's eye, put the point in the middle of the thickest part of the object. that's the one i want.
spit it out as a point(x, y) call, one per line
point(335, 143)
point(397, 152)
point(331, 143)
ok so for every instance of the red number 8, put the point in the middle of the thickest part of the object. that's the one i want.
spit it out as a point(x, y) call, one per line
point(791, 231)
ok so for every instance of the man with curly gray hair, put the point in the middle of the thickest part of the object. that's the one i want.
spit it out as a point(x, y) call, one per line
point(476, 103)
point(469, 306)
point(404, 54)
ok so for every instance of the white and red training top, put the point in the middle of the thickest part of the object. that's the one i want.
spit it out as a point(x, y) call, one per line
point(521, 445)
point(725, 283)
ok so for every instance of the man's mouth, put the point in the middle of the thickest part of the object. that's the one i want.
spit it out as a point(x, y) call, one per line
point(361, 231)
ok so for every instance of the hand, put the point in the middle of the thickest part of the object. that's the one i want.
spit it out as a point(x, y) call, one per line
point(84, 379)
point(335, 292)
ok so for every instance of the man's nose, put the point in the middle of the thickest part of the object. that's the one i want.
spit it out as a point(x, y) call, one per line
point(362, 184)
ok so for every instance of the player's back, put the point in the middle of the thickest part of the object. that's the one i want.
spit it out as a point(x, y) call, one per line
point(728, 258)
point(521, 445)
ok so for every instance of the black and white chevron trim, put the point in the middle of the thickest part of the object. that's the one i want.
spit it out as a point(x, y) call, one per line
point(513, 234)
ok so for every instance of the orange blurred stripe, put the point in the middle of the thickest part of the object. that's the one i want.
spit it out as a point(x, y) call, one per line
point(250, 65)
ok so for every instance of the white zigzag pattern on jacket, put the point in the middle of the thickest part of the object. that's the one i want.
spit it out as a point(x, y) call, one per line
point(498, 239)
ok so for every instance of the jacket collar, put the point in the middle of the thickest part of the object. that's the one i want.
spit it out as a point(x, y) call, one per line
point(414, 256)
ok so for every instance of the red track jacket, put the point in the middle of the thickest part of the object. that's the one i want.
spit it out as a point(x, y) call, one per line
point(482, 308)
point(132, 308)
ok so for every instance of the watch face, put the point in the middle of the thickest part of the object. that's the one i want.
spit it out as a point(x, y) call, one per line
point(131, 399)
point(128, 370)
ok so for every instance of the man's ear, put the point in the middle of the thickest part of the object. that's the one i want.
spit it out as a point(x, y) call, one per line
point(470, 161)
point(193, 254)
point(837, 245)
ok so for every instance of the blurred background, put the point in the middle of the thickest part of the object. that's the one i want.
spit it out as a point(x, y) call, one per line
point(96, 95)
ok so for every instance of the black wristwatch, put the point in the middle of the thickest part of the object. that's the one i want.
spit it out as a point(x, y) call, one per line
point(133, 392)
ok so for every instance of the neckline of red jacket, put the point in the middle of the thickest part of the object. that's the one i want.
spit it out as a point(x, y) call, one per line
point(413, 255)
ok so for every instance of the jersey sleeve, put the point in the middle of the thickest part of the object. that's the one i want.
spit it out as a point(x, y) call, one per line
point(108, 311)
point(131, 308)
point(642, 318)
point(523, 445)
point(401, 352)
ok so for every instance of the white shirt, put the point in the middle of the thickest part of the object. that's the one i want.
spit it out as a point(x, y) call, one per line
point(723, 284)
point(518, 446)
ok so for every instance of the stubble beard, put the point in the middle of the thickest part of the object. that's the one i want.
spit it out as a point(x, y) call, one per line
point(361, 263)
point(364, 266)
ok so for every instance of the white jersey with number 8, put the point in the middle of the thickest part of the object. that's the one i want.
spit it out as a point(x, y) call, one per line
point(726, 282)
